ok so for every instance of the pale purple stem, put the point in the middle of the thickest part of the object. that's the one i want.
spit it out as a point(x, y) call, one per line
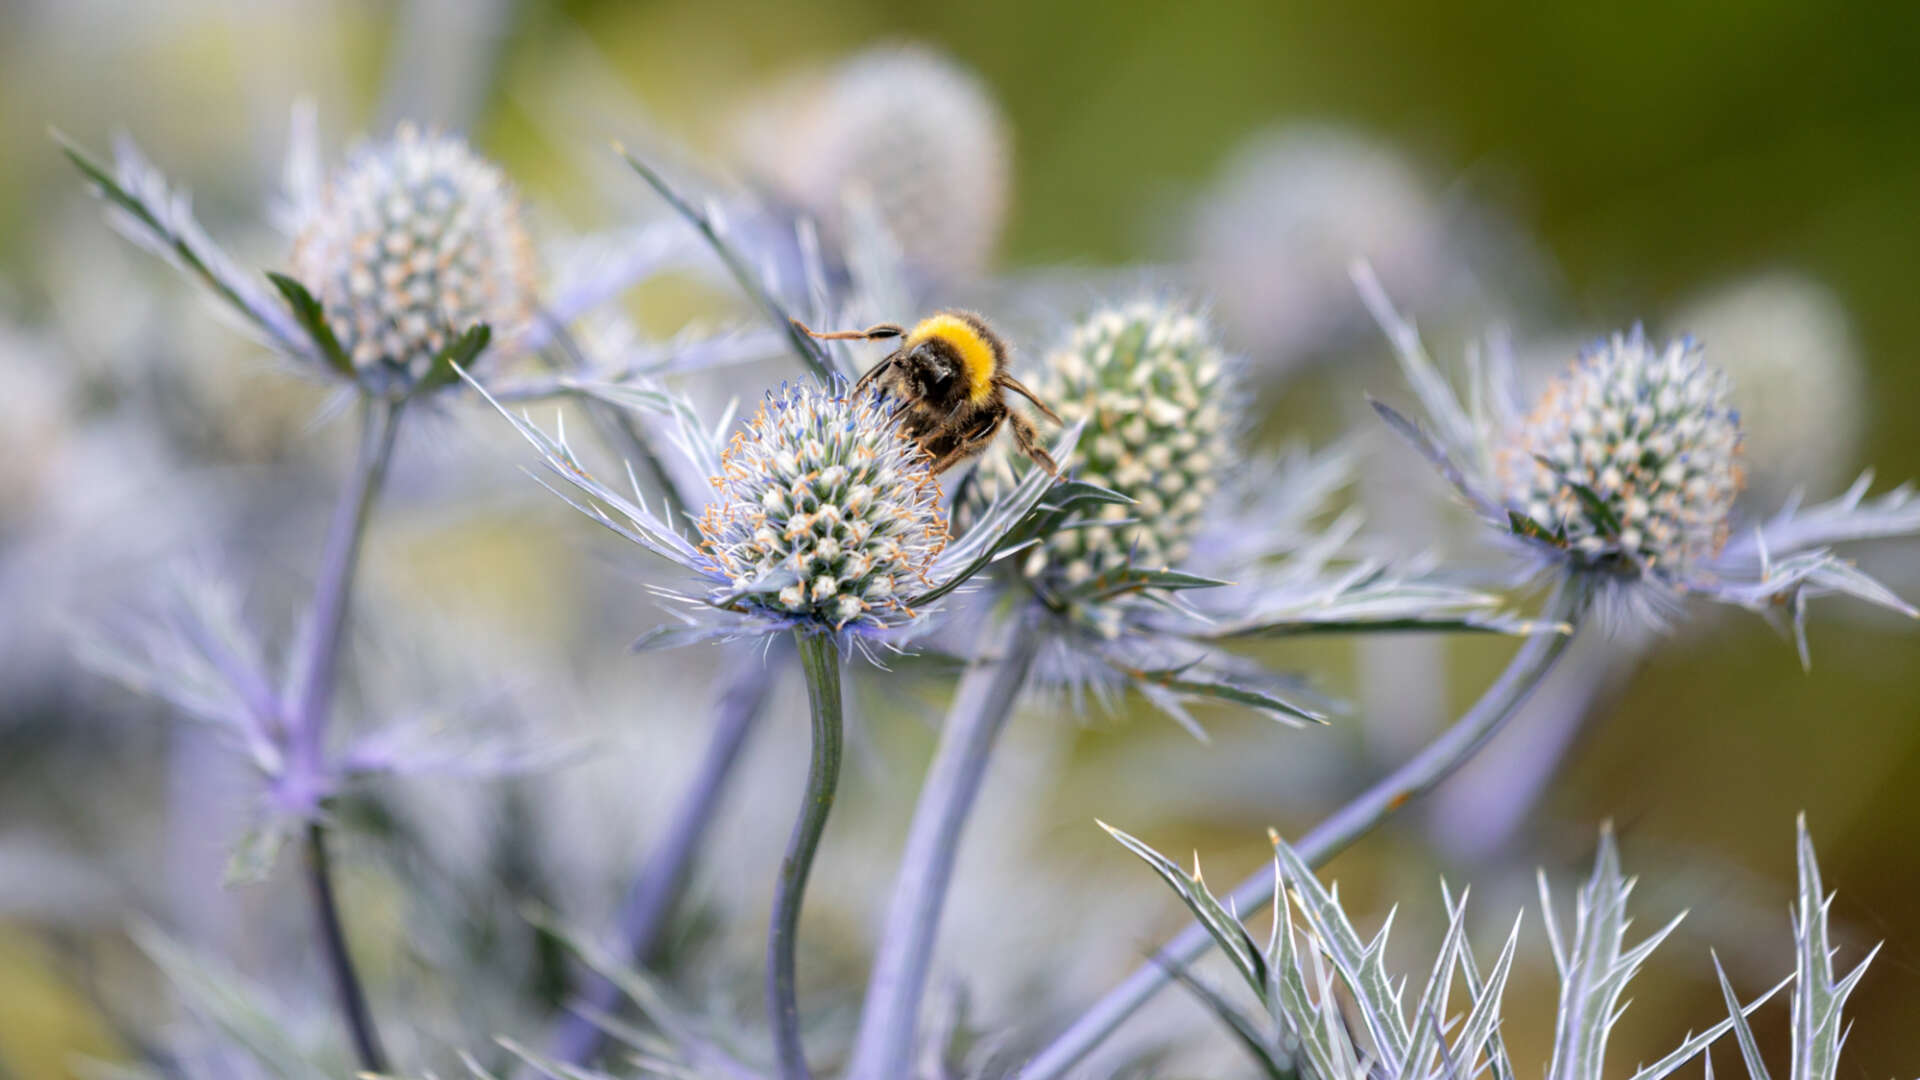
point(981, 705)
point(1417, 776)
point(658, 887)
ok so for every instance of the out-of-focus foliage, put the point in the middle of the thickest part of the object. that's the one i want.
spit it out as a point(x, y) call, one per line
point(1564, 169)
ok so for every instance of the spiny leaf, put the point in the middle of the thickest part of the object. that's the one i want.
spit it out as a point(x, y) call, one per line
point(806, 348)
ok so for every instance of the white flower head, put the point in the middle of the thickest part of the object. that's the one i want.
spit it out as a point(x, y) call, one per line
point(825, 512)
point(1632, 457)
point(1626, 473)
point(412, 242)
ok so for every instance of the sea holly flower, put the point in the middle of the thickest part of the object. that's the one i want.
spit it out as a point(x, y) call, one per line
point(824, 513)
point(409, 260)
point(825, 519)
point(413, 240)
point(1624, 475)
point(1202, 544)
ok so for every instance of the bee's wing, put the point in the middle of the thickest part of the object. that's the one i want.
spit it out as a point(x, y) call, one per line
point(1013, 384)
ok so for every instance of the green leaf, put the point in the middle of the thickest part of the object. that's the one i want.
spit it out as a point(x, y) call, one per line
point(1523, 526)
point(1602, 515)
point(171, 232)
point(458, 355)
point(1749, 1047)
point(313, 319)
point(1128, 579)
point(1220, 690)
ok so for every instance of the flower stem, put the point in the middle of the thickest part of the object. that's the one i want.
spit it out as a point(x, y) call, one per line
point(333, 946)
point(980, 709)
point(820, 660)
point(657, 888)
point(305, 782)
point(333, 589)
point(1417, 776)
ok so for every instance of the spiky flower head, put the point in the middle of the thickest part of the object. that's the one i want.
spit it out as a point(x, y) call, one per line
point(414, 241)
point(1151, 385)
point(825, 512)
point(1634, 455)
point(906, 129)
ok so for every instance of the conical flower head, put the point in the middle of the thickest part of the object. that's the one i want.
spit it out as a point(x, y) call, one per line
point(1634, 455)
point(825, 512)
point(1151, 384)
point(414, 241)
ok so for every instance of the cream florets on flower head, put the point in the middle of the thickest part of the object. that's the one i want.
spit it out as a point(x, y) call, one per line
point(1632, 457)
point(1625, 476)
point(1150, 384)
point(1149, 381)
point(825, 511)
point(414, 241)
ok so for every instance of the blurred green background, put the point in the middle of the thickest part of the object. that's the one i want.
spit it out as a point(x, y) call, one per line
point(1651, 150)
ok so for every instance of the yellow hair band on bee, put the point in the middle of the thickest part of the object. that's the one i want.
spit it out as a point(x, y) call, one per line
point(976, 355)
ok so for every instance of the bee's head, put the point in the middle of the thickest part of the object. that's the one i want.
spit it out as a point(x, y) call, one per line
point(951, 355)
point(934, 370)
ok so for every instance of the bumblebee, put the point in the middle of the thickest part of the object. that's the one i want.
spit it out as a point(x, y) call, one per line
point(950, 375)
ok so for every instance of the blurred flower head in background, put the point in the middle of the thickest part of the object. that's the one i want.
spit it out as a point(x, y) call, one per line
point(901, 131)
point(413, 241)
point(1797, 378)
point(1272, 238)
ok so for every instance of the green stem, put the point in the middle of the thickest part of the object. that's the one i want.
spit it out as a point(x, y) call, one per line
point(820, 659)
point(1416, 777)
point(333, 947)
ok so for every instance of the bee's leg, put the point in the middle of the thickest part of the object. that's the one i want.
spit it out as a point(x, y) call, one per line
point(1028, 440)
point(965, 446)
point(1013, 384)
point(871, 333)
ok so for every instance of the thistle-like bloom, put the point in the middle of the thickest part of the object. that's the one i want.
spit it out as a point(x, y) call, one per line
point(825, 512)
point(413, 241)
point(826, 519)
point(1626, 471)
point(1150, 384)
point(1632, 457)
point(1194, 545)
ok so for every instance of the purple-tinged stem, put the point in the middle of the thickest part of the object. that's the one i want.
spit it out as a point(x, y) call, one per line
point(1537, 657)
point(658, 887)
